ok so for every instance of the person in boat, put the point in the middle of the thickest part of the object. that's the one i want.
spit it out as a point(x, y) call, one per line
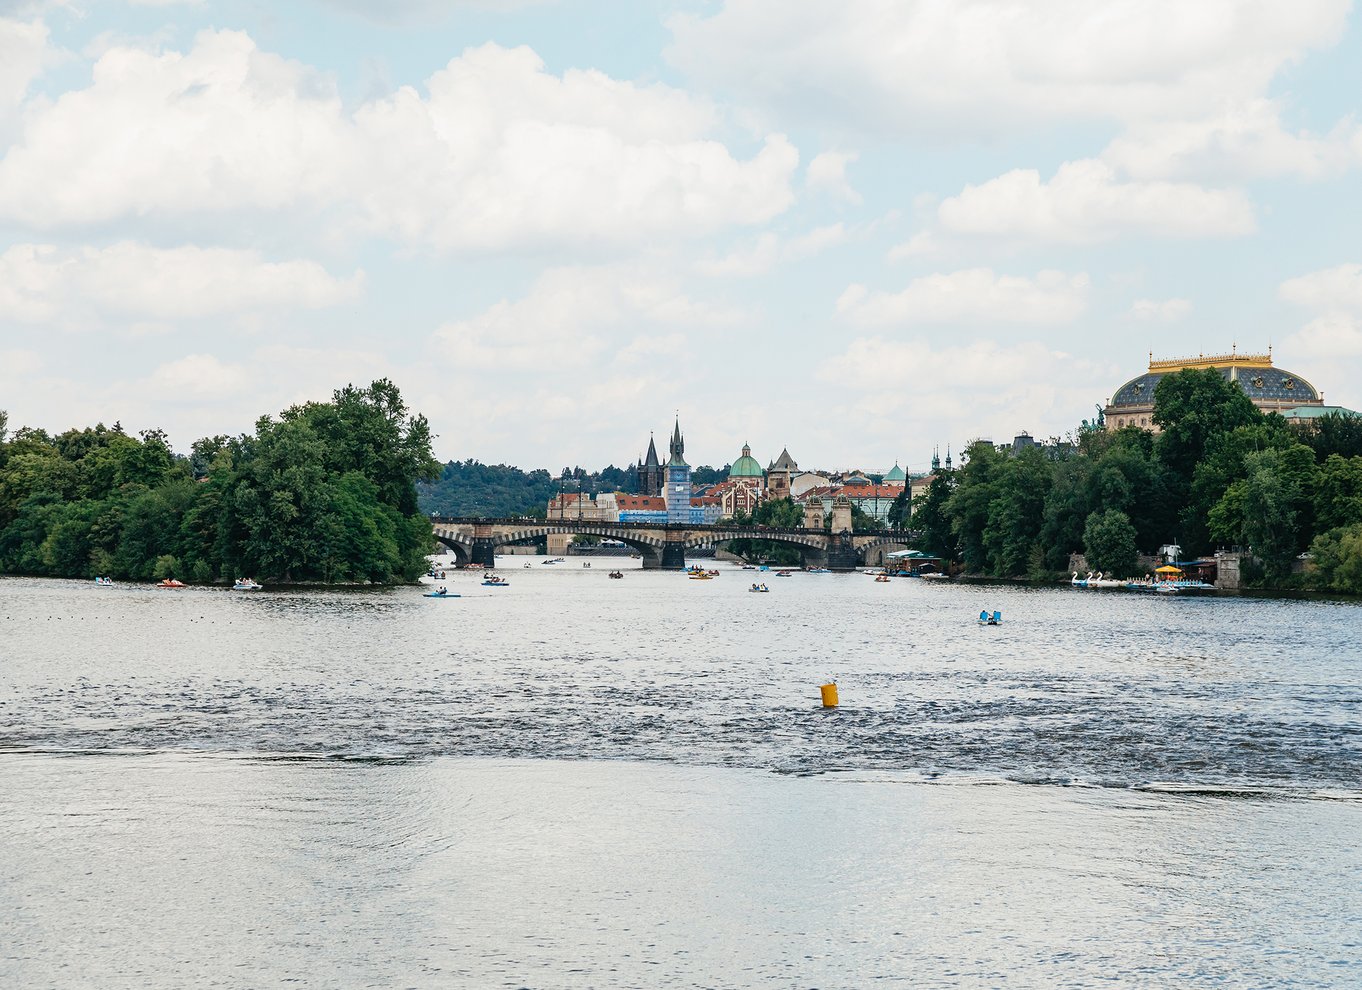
point(983, 616)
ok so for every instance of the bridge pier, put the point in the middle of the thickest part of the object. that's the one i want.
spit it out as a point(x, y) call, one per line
point(484, 551)
point(673, 557)
point(841, 555)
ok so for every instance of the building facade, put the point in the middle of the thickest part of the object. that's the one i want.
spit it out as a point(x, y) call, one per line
point(640, 508)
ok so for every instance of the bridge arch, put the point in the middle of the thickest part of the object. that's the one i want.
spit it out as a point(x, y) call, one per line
point(646, 546)
point(867, 551)
point(463, 548)
point(812, 546)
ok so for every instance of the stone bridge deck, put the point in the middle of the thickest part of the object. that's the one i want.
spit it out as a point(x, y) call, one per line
point(661, 546)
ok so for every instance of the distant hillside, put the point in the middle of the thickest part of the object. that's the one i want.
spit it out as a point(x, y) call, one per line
point(471, 488)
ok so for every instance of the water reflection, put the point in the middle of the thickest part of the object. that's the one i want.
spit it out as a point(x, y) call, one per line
point(167, 871)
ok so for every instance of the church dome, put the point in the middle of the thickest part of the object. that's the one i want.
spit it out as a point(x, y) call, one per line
point(896, 475)
point(745, 466)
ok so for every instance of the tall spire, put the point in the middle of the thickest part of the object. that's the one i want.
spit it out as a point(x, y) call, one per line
point(948, 457)
point(936, 458)
point(678, 448)
point(652, 452)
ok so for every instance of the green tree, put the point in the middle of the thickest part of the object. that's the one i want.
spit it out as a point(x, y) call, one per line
point(1337, 559)
point(1338, 493)
point(1335, 433)
point(1194, 408)
point(931, 521)
point(1262, 510)
point(968, 507)
point(1109, 542)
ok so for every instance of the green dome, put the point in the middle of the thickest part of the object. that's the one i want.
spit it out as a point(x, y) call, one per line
point(895, 475)
point(745, 466)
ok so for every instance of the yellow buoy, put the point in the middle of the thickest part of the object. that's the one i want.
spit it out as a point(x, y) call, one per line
point(829, 692)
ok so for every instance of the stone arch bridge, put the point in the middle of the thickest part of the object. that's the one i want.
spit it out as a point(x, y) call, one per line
point(662, 547)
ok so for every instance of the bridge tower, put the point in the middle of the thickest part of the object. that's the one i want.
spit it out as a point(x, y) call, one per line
point(678, 482)
point(841, 546)
point(813, 514)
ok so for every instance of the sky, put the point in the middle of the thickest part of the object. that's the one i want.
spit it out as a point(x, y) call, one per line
point(860, 230)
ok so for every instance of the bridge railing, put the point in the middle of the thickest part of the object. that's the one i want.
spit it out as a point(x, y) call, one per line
point(535, 521)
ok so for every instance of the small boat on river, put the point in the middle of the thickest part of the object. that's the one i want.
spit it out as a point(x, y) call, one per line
point(493, 581)
point(247, 584)
point(170, 583)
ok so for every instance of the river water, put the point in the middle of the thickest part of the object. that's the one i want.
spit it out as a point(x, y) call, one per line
point(580, 782)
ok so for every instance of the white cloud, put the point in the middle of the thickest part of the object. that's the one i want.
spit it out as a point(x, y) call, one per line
point(923, 244)
point(1329, 346)
point(408, 11)
point(979, 66)
point(500, 154)
point(1327, 339)
point(573, 317)
point(1332, 289)
point(1160, 310)
point(770, 250)
point(23, 54)
point(197, 378)
point(1244, 140)
point(42, 283)
point(827, 172)
point(1085, 202)
point(981, 388)
point(975, 295)
point(18, 362)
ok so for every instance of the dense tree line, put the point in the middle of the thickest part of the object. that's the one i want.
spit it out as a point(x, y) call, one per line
point(324, 492)
point(471, 488)
point(1220, 473)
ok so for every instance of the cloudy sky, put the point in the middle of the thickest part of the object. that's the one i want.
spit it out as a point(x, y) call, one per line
point(857, 229)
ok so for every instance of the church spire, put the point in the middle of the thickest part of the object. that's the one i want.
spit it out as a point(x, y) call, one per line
point(936, 458)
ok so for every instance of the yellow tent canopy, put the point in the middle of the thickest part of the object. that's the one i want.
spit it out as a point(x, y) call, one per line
point(1168, 569)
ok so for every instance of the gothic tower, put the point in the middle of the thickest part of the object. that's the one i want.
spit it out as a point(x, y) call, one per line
point(650, 472)
point(678, 482)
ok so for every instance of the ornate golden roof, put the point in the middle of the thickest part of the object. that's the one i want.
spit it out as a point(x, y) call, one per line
point(1232, 359)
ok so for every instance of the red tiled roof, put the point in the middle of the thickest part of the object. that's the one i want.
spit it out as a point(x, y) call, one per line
point(645, 503)
point(871, 491)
